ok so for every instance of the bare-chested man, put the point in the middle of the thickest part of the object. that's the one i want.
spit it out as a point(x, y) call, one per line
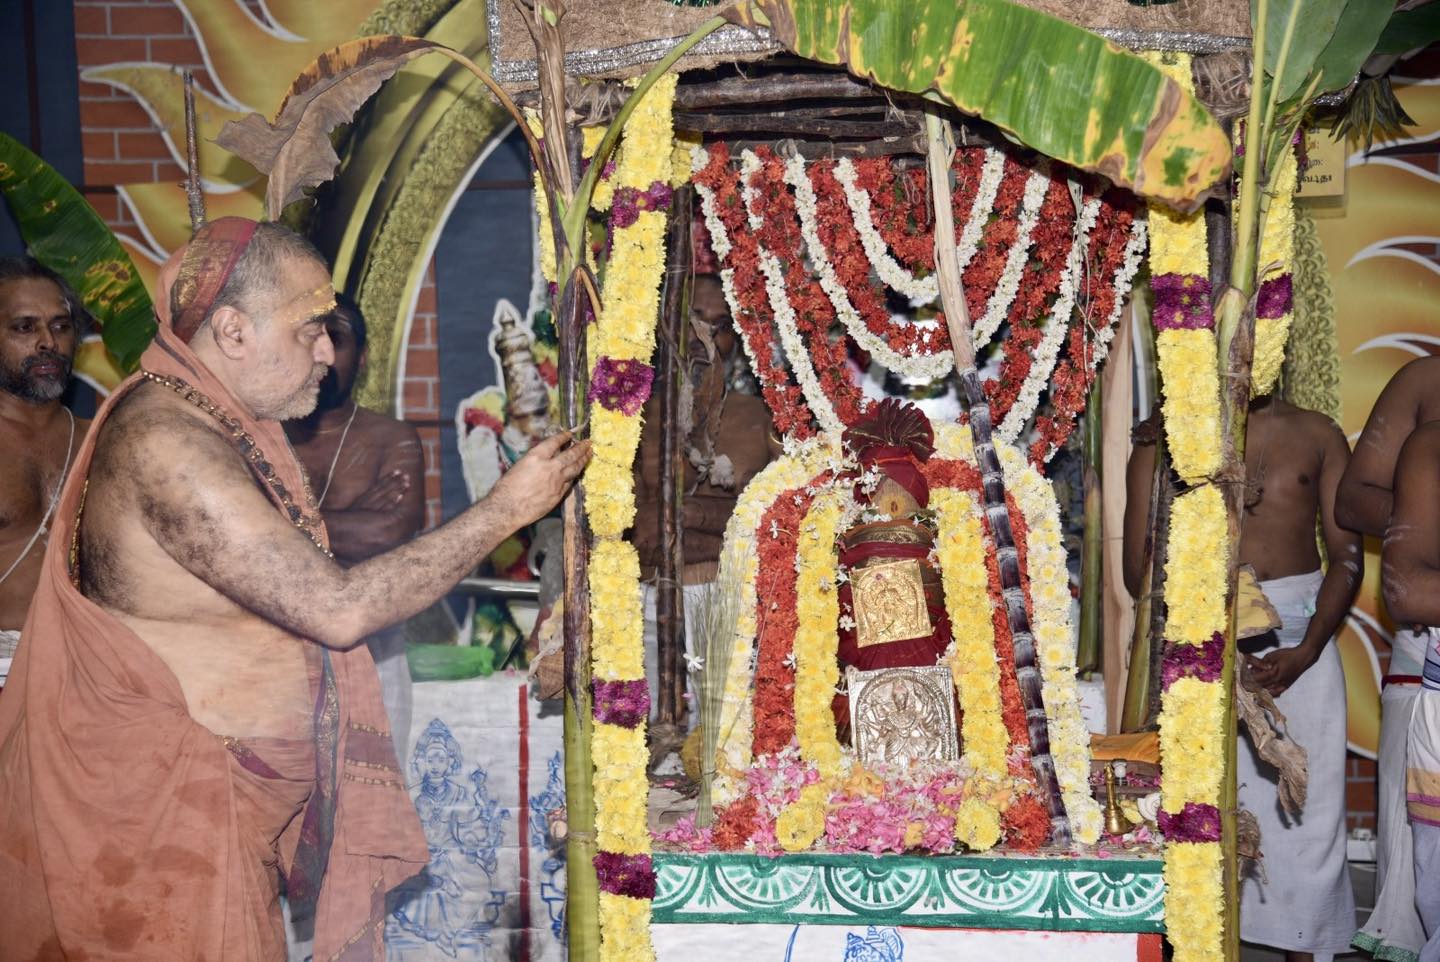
point(1294, 459)
point(728, 445)
point(1411, 581)
point(1364, 502)
point(194, 711)
point(40, 320)
point(368, 471)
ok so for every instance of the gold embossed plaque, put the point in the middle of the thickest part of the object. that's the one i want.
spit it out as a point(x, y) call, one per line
point(901, 715)
point(889, 603)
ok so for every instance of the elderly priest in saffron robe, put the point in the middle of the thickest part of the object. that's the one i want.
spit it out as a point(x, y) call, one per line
point(191, 717)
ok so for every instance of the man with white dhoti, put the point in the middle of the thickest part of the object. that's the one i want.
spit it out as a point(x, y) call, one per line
point(1301, 902)
point(1411, 566)
point(1364, 503)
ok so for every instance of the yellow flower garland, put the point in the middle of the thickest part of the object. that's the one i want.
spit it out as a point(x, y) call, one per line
point(1192, 727)
point(625, 330)
point(977, 824)
point(971, 656)
point(1191, 718)
point(625, 929)
point(1187, 358)
point(1277, 247)
point(817, 611)
point(740, 565)
point(616, 611)
point(621, 790)
point(1191, 376)
point(1196, 567)
point(1193, 896)
point(802, 822)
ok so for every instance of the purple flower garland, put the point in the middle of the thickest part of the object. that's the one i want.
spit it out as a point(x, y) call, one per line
point(1194, 823)
point(1276, 297)
point(621, 385)
point(630, 875)
point(622, 703)
point(1193, 661)
point(1182, 302)
point(628, 202)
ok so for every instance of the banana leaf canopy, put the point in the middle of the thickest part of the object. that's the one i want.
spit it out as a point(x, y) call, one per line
point(621, 38)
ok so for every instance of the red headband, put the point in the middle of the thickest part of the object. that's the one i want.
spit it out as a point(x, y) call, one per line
point(206, 265)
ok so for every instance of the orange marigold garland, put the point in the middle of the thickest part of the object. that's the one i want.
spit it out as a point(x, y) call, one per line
point(724, 208)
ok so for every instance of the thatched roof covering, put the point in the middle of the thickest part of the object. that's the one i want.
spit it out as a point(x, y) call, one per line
point(620, 38)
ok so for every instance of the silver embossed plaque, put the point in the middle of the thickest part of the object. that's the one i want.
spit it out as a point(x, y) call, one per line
point(901, 715)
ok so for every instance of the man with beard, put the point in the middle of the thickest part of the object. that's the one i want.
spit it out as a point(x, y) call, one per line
point(368, 471)
point(40, 319)
point(196, 717)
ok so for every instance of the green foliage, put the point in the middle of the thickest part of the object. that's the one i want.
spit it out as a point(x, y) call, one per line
point(1410, 29)
point(1354, 40)
point(1059, 88)
point(1302, 28)
point(64, 233)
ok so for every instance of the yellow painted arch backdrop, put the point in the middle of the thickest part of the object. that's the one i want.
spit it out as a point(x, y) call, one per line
point(1387, 311)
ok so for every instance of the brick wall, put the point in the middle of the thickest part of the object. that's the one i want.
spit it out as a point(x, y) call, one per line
point(421, 398)
point(123, 146)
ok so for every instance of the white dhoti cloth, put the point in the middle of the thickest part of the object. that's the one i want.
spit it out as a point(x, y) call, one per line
point(1306, 903)
point(1422, 796)
point(1393, 931)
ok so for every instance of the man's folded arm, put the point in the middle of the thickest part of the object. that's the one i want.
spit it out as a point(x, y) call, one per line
point(207, 512)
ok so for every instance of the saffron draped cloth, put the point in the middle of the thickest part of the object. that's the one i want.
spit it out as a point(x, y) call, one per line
point(130, 831)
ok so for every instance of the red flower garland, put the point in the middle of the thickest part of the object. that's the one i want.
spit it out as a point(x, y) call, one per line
point(836, 227)
point(1053, 237)
point(777, 541)
point(1071, 382)
point(753, 317)
point(780, 234)
point(900, 211)
point(982, 274)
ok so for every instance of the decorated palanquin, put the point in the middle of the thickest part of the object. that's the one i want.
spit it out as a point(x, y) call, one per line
point(869, 551)
point(900, 745)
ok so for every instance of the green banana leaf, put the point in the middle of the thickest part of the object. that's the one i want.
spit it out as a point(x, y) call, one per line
point(64, 233)
point(1309, 26)
point(1361, 25)
point(1410, 29)
point(1057, 87)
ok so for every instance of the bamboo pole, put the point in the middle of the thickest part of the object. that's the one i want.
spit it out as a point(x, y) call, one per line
point(1087, 652)
point(669, 597)
point(582, 895)
point(940, 151)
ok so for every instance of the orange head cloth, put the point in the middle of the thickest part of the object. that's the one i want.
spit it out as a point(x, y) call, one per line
point(205, 264)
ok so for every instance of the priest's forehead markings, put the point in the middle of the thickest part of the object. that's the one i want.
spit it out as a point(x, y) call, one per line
point(312, 304)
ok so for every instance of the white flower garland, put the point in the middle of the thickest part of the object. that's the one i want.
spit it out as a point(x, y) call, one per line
point(928, 366)
point(719, 240)
point(1050, 606)
point(720, 244)
point(1054, 641)
point(740, 564)
point(1057, 325)
point(1124, 279)
point(920, 290)
point(1004, 294)
point(785, 321)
